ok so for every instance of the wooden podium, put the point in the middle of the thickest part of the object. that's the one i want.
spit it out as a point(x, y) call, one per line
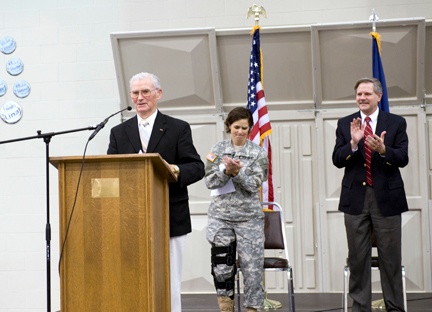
point(116, 254)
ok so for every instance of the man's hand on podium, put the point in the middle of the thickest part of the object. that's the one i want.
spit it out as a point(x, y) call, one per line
point(174, 168)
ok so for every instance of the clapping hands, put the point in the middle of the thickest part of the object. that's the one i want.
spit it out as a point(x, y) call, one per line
point(232, 166)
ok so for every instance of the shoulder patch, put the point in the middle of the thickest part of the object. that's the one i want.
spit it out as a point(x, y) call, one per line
point(211, 157)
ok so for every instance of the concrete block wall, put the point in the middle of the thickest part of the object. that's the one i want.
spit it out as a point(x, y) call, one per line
point(66, 50)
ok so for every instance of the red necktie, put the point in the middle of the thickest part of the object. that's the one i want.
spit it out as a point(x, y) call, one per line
point(368, 151)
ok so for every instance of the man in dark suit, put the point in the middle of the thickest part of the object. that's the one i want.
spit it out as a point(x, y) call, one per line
point(153, 132)
point(374, 202)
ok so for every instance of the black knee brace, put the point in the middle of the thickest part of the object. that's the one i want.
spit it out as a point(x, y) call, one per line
point(228, 258)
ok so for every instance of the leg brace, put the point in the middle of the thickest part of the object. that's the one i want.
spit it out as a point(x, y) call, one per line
point(224, 255)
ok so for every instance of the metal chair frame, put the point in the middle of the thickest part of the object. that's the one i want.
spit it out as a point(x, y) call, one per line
point(281, 245)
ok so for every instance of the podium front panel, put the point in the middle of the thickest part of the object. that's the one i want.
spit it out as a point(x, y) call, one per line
point(116, 254)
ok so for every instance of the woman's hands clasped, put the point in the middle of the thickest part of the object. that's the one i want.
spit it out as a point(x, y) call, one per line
point(232, 166)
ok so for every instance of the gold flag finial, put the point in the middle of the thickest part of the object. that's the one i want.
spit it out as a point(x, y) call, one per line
point(256, 10)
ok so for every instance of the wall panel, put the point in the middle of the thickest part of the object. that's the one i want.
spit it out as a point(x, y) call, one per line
point(309, 75)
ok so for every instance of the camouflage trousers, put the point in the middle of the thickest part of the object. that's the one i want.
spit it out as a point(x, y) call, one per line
point(249, 236)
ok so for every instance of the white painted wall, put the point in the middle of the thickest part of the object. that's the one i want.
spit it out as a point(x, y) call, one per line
point(66, 50)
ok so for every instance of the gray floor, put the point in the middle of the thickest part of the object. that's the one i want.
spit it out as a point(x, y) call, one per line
point(319, 302)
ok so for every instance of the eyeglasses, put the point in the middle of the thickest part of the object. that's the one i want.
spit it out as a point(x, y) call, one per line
point(145, 93)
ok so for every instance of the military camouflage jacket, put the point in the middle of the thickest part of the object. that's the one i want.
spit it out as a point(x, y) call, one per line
point(244, 202)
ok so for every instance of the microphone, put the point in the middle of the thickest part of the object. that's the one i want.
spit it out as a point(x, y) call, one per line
point(103, 123)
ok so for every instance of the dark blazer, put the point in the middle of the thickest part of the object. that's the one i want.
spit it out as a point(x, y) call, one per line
point(387, 180)
point(172, 139)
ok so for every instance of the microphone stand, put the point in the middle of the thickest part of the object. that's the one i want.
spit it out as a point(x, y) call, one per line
point(47, 138)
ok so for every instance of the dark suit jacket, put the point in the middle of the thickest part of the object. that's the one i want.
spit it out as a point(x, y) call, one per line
point(172, 139)
point(387, 181)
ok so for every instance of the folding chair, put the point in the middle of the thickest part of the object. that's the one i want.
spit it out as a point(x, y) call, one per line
point(275, 238)
point(374, 266)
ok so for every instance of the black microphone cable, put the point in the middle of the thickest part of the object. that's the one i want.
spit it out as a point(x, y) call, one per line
point(98, 128)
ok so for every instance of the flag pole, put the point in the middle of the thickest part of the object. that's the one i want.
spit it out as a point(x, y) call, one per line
point(374, 18)
point(376, 304)
point(377, 66)
point(256, 11)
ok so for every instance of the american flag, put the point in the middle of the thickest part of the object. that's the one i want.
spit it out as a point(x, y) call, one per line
point(256, 104)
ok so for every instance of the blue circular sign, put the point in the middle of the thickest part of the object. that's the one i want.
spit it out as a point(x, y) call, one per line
point(14, 66)
point(21, 89)
point(3, 88)
point(7, 45)
point(11, 112)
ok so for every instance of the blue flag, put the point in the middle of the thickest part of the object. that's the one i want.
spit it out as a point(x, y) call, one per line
point(378, 71)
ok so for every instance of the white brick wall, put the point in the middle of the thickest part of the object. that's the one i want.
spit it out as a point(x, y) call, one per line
point(66, 50)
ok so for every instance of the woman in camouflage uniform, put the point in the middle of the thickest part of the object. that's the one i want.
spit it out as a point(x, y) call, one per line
point(235, 170)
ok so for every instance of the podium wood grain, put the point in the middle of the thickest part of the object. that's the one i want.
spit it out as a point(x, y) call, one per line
point(116, 256)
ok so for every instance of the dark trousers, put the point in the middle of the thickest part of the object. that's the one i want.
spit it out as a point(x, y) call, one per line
point(388, 234)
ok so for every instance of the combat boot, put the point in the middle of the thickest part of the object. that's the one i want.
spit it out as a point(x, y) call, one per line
point(226, 304)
